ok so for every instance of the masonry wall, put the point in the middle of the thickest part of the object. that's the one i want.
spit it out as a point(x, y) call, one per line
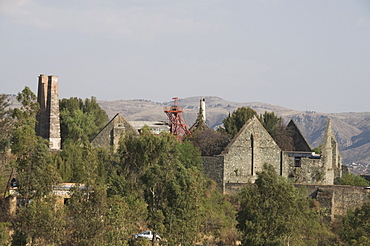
point(311, 171)
point(248, 152)
point(53, 113)
point(213, 166)
point(337, 198)
point(111, 133)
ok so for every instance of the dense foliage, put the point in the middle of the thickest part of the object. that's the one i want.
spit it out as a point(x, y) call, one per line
point(277, 130)
point(208, 141)
point(273, 212)
point(80, 120)
point(352, 179)
point(234, 122)
point(356, 226)
point(5, 123)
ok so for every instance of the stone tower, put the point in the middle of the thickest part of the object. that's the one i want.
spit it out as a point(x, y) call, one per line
point(332, 158)
point(48, 126)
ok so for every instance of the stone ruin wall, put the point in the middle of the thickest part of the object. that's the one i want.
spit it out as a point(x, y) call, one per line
point(213, 167)
point(337, 199)
point(253, 141)
point(311, 171)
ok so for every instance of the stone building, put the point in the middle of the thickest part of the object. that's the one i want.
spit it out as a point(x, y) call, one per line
point(110, 134)
point(48, 122)
point(253, 146)
point(156, 127)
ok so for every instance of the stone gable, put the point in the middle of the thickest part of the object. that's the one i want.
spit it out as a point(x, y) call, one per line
point(110, 134)
point(248, 151)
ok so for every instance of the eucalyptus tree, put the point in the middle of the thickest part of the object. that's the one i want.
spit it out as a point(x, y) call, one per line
point(36, 171)
point(274, 212)
point(235, 121)
point(167, 173)
point(356, 226)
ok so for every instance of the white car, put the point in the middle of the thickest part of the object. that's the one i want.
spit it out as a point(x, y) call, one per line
point(147, 235)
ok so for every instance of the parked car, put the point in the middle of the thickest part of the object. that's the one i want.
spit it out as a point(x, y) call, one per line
point(147, 235)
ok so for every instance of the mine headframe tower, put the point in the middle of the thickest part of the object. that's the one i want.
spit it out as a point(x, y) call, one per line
point(178, 126)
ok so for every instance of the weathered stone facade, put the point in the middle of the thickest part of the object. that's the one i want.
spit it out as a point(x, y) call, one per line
point(336, 199)
point(248, 151)
point(48, 122)
point(109, 136)
point(253, 146)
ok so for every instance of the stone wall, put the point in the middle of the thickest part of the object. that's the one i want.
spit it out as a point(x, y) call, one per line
point(109, 136)
point(337, 198)
point(213, 167)
point(246, 154)
point(310, 171)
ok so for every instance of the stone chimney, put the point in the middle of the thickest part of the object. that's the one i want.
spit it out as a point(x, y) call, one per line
point(203, 108)
point(48, 126)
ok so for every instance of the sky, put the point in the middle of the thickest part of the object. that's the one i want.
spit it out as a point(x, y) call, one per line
point(304, 55)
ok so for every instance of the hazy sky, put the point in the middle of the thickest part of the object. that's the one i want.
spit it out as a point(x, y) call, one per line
point(304, 55)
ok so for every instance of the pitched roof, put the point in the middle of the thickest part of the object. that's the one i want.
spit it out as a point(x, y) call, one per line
point(251, 123)
point(112, 130)
point(299, 142)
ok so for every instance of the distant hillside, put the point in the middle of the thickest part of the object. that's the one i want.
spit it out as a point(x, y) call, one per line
point(352, 129)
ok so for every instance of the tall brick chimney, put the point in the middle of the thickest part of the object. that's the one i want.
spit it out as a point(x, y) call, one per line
point(48, 126)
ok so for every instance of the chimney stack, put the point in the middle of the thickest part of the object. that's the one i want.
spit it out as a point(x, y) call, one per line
point(48, 122)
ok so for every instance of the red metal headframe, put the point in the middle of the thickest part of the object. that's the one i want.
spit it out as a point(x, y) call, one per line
point(178, 126)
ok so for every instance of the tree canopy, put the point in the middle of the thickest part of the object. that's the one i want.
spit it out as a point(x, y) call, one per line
point(273, 212)
point(80, 120)
point(356, 226)
point(234, 122)
point(352, 179)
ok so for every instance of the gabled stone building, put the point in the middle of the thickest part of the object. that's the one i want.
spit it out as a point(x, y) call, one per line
point(253, 146)
point(109, 136)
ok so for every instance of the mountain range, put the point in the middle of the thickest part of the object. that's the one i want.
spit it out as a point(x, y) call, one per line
point(352, 129)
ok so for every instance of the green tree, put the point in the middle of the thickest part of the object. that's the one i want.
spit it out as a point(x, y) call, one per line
point(42, 222)
point(5, 123)
point(4, 233)
point(167, 174)
point(86, 212)
point(6, 126)
point(80, 120)
point(276, 128)
point(218, 216)
point(36, 171)
point(234, 122)
point(351, 179)
point(208, 141)
point(273, 212)
point(24, 135)
point(356, 226)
